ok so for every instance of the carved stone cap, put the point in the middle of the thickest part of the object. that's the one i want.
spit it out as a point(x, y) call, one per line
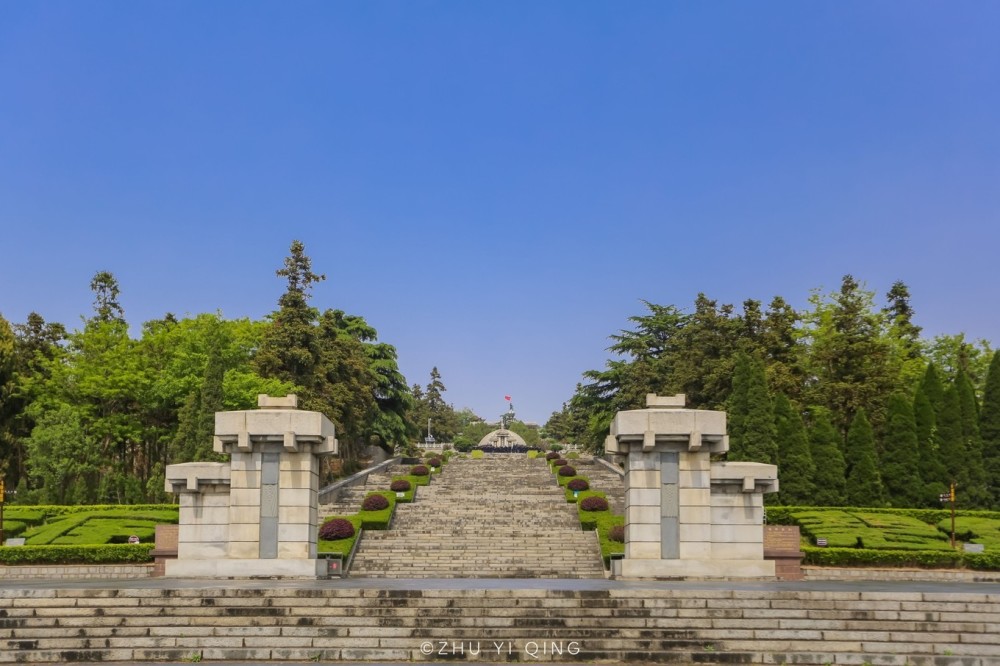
point(290, 401)
point(674, 401)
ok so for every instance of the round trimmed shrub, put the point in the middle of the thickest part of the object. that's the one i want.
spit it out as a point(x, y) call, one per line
point(552, 455)
point(400, 486)
point(434, 462)
point(566, 470)
point(578, 485)
point(556, 447)
point(375, 503)
point(617, 533)
point(594, 503)
point(419, 470)
point(561, 462)
point(335, 529)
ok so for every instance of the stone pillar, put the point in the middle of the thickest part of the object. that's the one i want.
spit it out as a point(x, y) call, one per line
point(256, 515)
point(684, 514)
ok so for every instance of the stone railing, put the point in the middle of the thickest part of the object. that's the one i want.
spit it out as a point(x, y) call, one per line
point(331, 492)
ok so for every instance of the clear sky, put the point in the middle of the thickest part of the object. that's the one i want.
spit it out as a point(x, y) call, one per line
point(495, 185)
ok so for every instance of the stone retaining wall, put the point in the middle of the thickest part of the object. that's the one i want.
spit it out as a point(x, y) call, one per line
point(75, 571)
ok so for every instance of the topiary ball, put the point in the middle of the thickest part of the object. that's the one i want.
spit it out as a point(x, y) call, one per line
point(566, 470)
point(419, 470)
point(560, 462)
point(375, 503)
point(578, 485)
point(399, 486)
point(552, 455)
point(335, 529)
point(434, 462)
point(594, 503)
point(617, 533)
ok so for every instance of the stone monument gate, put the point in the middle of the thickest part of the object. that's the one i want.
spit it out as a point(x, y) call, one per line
point(257, 514)
point(686, 515)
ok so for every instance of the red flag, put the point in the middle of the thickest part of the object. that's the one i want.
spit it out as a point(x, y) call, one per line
point(507, 398)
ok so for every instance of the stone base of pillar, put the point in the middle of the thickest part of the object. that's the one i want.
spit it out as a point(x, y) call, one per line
point(233, 568)
point(695, 568)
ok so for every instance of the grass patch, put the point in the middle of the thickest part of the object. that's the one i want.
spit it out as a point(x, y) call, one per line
point(378, 520)
point(477, 454)
point(410, 494)
point(589, 519)
point(533, 454)
point(342, 546)
point(609, 547)
point(974, 530)
point(102, 526)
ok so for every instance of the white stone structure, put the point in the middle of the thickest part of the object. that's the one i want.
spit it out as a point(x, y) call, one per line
point(503, 439)
point(257, 514)
point(684, 514)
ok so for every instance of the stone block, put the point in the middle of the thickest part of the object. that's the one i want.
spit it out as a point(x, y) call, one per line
point(695, 497)
point(643, 514)
point(695, 568)
point(694, 515)
point(240, 498)
point(296, 532)
point(296, 496)
point(688, 461)
point(642, 532)
point(299, 479)
point(300, 550)
point(694, 479)
point(643, 479)
point(738, 515)
point(204, 533)
point(644, 550)
point(201, 551)
point(694, 532)
point(738, 551)
point(249, 532)
point(244, 515)
point(723, 533)
point(695, 550)
point(643, 461)
point(244, 550)
point(297, 514)
point(643, 497)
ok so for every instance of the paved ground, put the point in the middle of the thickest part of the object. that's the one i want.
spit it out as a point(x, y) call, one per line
point(513, 584)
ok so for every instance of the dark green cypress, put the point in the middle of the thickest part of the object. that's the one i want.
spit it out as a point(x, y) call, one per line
point(974, 494)
point(932, 470)
point(736, 406)
point(795, 464)
point(864, 484)
point(900, 457)
point(951, 442)
point(759, 442)
point(824, 443)
point(989, 430)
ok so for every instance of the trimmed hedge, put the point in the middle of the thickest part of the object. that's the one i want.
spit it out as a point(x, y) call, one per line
point(400, 486)
point(867, 557)
point(589, 519)
point(342, 546)
point(578, 484)
point(99, 554)
point(607, 525)
point(380, 519)
point(477, 454)
point(567, 471)
point(552, 455)
point(336, 529)
point(374, 502)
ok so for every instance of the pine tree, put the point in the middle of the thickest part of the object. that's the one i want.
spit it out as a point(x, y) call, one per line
point(864, 485)
point(951, 442)
point(759, 441)
point(900, 457)
point(795, 464)
point(824, 442)
point(974, 494)
point(737, 406)
point(989, 430)
point(932, 471)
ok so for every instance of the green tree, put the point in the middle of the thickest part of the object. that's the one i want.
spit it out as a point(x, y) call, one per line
point(755, 440)
point(951, 441)
point(106, 292)
point(62, 458)
point(795, 464)
point(824, 443)
point(738, 406)
point(989, 430)
point(900, 463)
point(864, 484)
point(932, 471)
point(290, 348)
point(975, 493)
point(848, 355)
point(8, 404)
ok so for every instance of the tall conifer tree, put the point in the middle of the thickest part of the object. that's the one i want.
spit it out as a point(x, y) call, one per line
point(989, 430)
point(864, 484)
point(824, 442)
point(900, 457)
point(975, 493)
point(795, 464)
point(951, 441)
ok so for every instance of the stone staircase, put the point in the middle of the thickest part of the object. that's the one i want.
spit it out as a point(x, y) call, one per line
point(350, 498)
point(130, 624)
point(603, 479)
point(501, 516)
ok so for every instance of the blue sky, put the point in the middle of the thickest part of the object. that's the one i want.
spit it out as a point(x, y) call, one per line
point(495, 185)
